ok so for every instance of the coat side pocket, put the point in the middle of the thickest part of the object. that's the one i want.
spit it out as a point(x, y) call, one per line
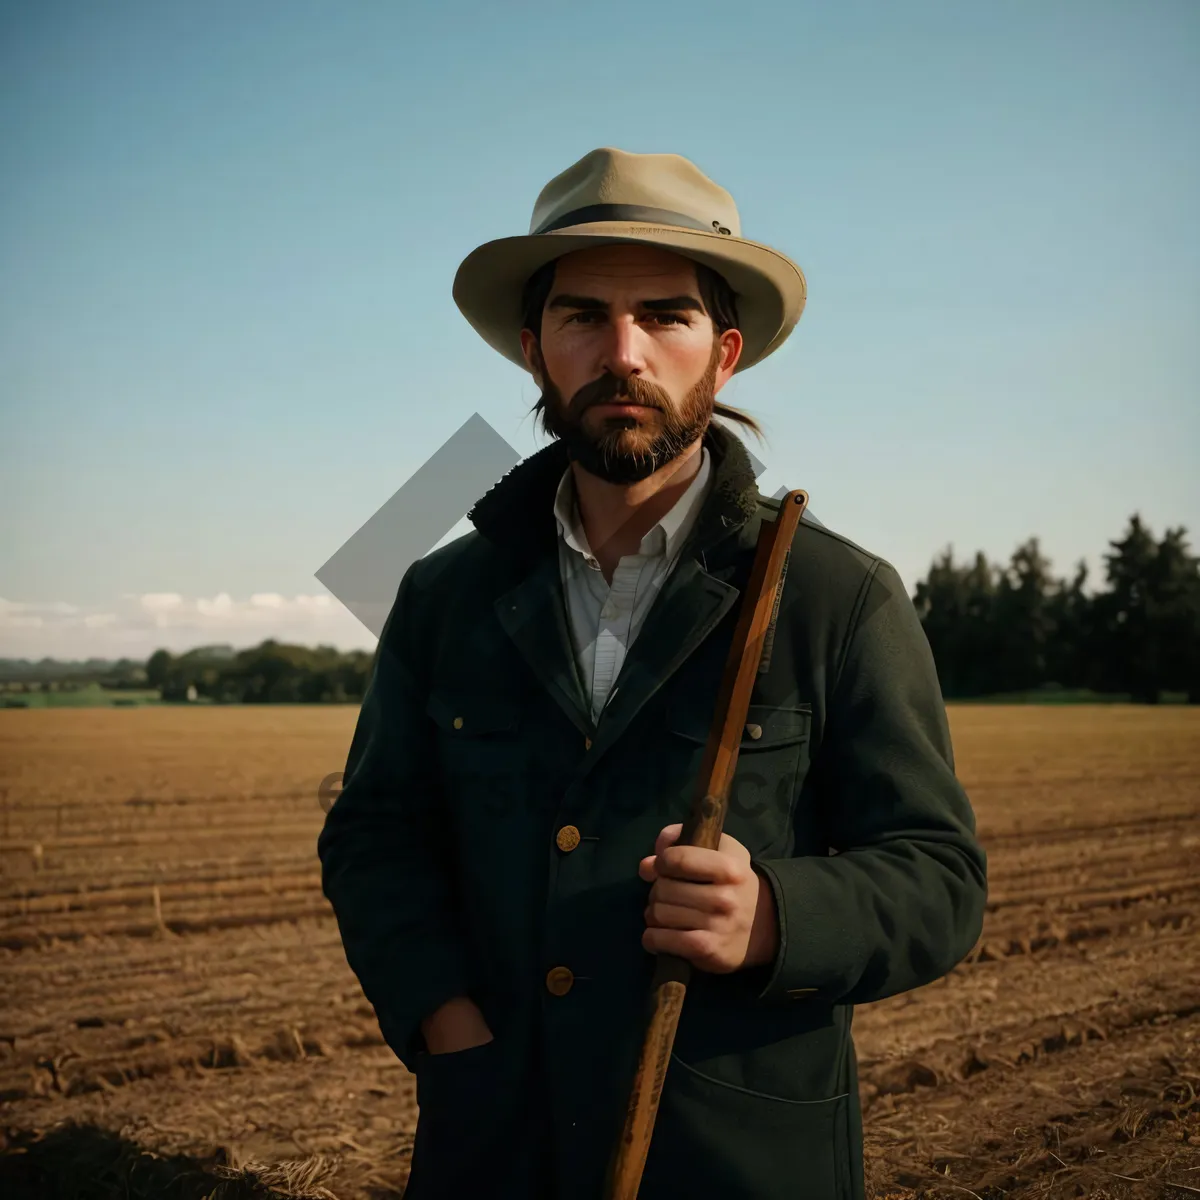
point(460, 1100)
point(713, 1139)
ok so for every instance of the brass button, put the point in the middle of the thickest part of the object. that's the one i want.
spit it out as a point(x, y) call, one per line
point(458, 722)
point(568, 838)
point(559, 980)
point(587, 743)
point(755, 731)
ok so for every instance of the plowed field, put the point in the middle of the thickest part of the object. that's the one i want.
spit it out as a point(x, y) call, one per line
point(177, 1017)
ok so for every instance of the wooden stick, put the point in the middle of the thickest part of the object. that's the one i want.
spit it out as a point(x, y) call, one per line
point(760, 608)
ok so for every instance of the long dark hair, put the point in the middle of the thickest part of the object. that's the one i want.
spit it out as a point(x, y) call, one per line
point(719, 301)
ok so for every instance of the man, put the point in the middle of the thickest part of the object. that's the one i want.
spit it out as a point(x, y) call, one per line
point(502, 857)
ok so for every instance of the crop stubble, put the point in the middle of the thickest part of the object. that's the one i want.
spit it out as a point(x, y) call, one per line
point(173, 977)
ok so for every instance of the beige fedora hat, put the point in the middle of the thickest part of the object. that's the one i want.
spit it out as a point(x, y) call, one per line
point(610, 196)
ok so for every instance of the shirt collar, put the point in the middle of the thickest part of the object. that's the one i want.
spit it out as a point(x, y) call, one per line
point(667, 535)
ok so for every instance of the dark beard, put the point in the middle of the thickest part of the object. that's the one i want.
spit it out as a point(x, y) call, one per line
point(604, 454)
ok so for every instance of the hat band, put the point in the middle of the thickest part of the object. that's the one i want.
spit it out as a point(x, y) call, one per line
point(626, 212)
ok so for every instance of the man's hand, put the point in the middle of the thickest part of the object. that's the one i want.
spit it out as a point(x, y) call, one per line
point(708, 906)
point(457, 1025)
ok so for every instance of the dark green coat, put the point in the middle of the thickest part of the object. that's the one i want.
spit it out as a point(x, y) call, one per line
point(475, 746)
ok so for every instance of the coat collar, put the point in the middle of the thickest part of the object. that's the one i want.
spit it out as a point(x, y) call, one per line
point(517, 516)
point(517, 513)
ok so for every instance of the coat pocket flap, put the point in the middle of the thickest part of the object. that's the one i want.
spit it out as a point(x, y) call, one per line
point(767, 725)
point(469, 714)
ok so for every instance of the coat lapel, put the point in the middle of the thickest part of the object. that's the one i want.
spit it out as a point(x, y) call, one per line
point(533, 616)
point(684, 613)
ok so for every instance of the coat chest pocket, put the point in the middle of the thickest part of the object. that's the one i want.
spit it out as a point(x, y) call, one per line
point(772, 759)
point(480, 738)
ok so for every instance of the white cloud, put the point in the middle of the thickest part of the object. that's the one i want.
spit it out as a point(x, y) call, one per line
point(141, 623)
point(16, 609)
point(18, 622)
point(220, 606)
point(160, 601)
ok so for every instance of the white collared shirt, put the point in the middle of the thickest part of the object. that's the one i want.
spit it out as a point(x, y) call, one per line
point(604, 620)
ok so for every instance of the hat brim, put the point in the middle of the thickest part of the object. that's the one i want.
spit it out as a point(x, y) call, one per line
point(770, 288)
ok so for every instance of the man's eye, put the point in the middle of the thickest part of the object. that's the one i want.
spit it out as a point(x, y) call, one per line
point(671, 317)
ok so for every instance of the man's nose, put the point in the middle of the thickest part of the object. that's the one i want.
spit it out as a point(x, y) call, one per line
point(625, 353)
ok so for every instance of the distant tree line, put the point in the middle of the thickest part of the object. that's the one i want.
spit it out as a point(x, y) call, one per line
point(62, 675)
point(271, 673)
point(992, 629)
point(1011, 629)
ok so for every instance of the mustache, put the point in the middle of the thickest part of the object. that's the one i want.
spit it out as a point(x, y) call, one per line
point(609, 389)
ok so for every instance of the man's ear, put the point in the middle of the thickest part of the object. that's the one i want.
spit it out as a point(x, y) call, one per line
point(730, 343)
point(533, 355)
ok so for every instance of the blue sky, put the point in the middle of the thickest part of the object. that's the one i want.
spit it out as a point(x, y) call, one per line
point(228, 234)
